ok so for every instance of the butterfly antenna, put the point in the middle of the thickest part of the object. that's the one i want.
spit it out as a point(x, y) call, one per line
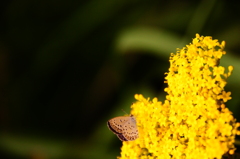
point(124, 111)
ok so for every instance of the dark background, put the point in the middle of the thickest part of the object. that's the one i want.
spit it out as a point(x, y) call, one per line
point(66, 67)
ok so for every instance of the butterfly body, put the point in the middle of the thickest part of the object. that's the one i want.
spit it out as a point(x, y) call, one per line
point(125, 127)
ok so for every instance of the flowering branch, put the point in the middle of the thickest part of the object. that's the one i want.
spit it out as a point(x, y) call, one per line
point(193, 121)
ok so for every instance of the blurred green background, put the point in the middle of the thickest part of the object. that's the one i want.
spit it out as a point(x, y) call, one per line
point(66, 67)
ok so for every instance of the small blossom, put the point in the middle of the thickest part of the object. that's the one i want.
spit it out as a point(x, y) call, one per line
point(225, 96)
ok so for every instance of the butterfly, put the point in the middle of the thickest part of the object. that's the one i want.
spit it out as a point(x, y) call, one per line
point(125, 127)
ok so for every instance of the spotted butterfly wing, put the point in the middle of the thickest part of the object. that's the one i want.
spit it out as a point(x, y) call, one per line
point(124, 127)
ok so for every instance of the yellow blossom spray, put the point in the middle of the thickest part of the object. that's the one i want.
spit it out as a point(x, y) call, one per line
point(193, 121)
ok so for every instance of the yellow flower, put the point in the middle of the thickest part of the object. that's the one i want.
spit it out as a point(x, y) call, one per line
point(193, 121)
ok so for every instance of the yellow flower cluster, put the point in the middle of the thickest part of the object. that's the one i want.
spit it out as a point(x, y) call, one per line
point(193, 121)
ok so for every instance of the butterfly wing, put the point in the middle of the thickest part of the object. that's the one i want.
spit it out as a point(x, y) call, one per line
point(130, 131)
point(124, 127)
point(116, 124)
